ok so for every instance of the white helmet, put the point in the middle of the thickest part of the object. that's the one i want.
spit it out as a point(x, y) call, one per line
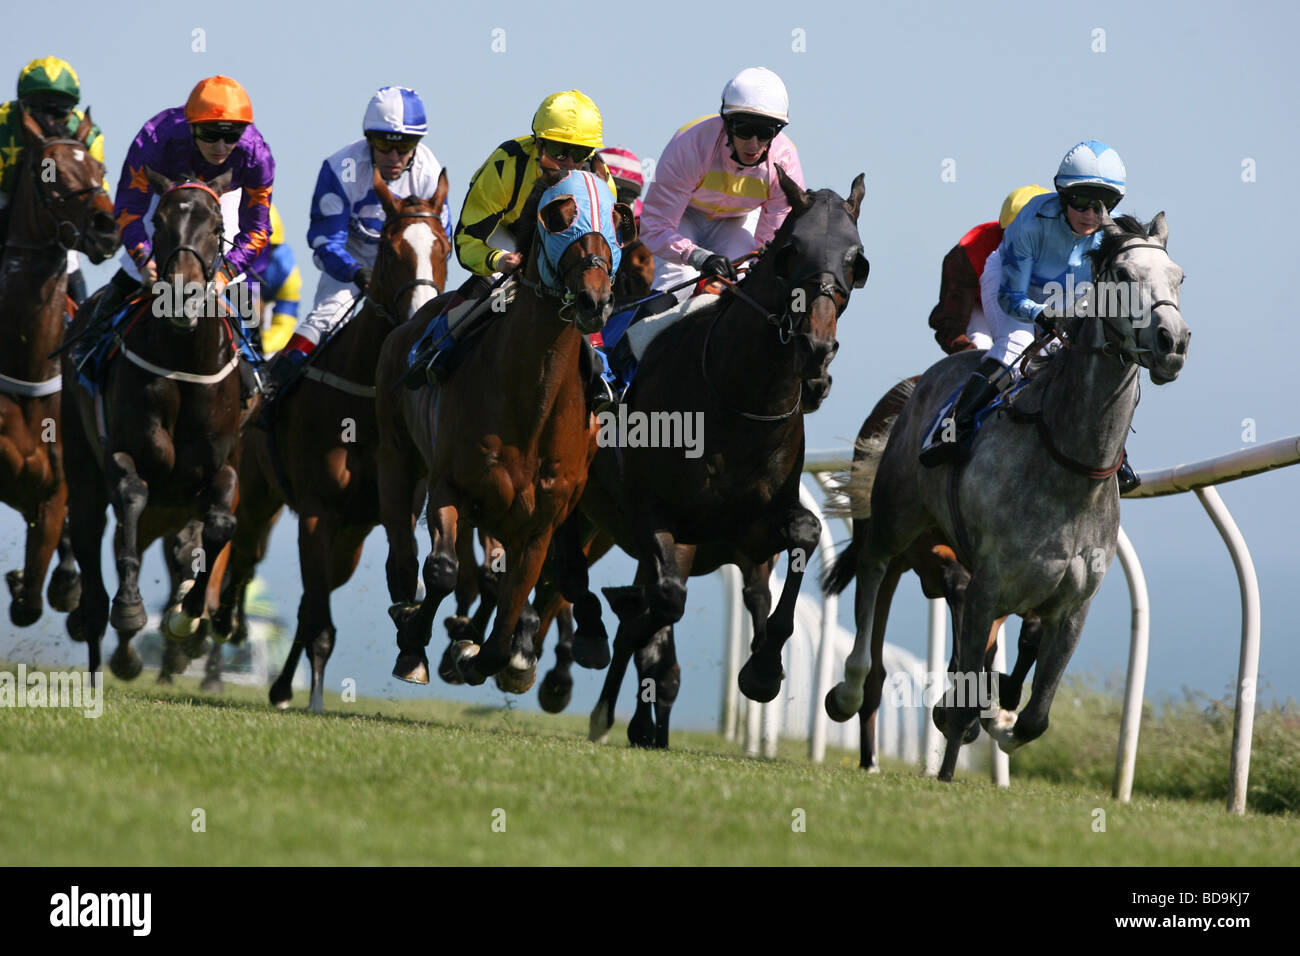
point(1092, 164)
point(759, 91)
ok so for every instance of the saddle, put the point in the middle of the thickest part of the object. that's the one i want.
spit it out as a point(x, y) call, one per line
point(454, 332)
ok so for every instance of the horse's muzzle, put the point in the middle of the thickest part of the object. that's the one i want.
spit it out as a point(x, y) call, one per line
point(589, 315)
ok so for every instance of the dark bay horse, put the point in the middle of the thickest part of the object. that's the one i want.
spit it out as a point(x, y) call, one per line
point(321, 454)
point(505, 442)
point(1034, 515)
point(161, 441)
point(748, 368)
point(935, 563)
point(59, 204)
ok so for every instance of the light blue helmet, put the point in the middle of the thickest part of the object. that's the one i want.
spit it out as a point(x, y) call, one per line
point(397, 111)
point(1094, 164)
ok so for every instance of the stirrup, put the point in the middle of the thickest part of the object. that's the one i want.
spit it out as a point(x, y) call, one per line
point(1128, 478)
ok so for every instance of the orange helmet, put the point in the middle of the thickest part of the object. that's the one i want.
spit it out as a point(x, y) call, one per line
point(218, 99)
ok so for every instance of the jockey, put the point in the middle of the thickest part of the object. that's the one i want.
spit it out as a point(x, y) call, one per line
point(958, 320)
point(213, 133)
point(625, 168)
point(712, 174)
point(566, 132)
point(1049, 242)
point(347, 218)
point(48, 88)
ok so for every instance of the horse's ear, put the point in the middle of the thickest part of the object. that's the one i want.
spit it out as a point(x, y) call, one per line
point(558, 214)
point(440, 194)
point(1109, 226)
point(32, 131)
point(598, 167)
point(157, 181)
point(219, 184)
point(84, 130)
point(859, 190)
point(624, 223)
point(798, 199)
point(385, 194)
point(1159, 229)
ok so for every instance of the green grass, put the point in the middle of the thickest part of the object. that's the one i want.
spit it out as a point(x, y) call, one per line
point(416, 782)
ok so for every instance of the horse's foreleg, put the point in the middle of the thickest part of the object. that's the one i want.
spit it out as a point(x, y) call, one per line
point(87, 518)
point(44, 527)
point(315, 624)
point(590, 647)
point(659, 679)
point(129, 494)
point(399, 511)
point(556, 689)
point(1011, 687)
point(522, 571)
point(415, 622)
point(64, 592)
point(218, 502)
point(1058, 642)
point(602, 715)
point(964, 702)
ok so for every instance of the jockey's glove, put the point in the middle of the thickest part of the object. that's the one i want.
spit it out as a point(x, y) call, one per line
point(711, 264)
point(361, 277)
point(1046, 320)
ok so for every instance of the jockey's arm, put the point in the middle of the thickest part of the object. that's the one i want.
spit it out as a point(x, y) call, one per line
point(254, 226)
point(486, 203)
point(778, 207)
point(327, 234)
point(1019, 251)
point(132, 201)
point(958, 295)
point(666, 201)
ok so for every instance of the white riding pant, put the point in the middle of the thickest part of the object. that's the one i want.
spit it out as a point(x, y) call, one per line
point(732, 238)
point(1010, 337)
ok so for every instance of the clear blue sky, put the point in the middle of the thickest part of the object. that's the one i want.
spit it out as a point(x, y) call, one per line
point(1187, 92)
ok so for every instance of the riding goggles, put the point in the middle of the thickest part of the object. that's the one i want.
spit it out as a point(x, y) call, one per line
point(402, 146)
point(745, 129)
point(1081, 203)
point(219, 132)
point(563, 151)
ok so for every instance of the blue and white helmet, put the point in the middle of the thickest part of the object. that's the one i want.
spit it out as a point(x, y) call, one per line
point(397, 111)
point(1092, 163)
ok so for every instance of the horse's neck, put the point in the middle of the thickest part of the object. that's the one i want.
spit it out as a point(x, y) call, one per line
point(532, 328)
point(33, 290)
point(746, 359)
point(1089, 406)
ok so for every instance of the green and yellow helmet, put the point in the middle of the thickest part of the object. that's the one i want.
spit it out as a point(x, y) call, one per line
point(48, 75)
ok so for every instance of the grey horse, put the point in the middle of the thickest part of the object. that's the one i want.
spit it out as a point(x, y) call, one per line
point(1035, 512)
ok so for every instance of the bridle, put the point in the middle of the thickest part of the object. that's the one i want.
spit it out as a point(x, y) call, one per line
point(209, 267)
point(1121, 340)
point(389, 310)
point(47, 201)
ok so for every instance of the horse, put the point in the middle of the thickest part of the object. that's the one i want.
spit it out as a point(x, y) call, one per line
point(935, 563)
point(506, 442)
point(59, 204)
point(160, 442)
point(1034, 514)
point(755, 361)
point(319, 455)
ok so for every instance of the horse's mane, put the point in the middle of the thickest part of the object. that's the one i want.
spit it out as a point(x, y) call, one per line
point(1103, 256)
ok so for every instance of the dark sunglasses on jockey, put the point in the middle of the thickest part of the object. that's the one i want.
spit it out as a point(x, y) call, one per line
point(751, 128)
point(563, 151)
point(55, 107)
point(1082, 202)
point(382, 144)
point(219, 132)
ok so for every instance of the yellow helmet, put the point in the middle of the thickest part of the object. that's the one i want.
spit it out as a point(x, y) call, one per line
point(1015, 201)
point(569, 117)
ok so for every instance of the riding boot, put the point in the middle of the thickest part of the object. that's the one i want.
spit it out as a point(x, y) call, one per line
point(978, 392)
point(115, 294)
point(77, 287)
point(600, 397)
point(1128, 479)
point(282, 372)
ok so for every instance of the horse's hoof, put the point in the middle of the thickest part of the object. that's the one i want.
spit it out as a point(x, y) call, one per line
point(403, 612)
point(758, 686)
point(838, 710)
point(464, 654)
point(641, 733)
point(945, 776)
point(179, 626)
point(412, 668)
point(14, 579)
point(460, 628)
point(212, 685)
point(555, 692)
point(1002, 728)
point(24, 615)
point(447, 667)
point(75, 625)
point(513, 681)
point(125, 663)
point(280, 696)
point(196, 646)
point(64, 592)
point(590, 652)
point(600, 723)
point(128, 617)
point(165, 679)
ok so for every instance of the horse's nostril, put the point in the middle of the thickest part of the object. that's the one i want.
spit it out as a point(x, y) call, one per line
point(1165, 340)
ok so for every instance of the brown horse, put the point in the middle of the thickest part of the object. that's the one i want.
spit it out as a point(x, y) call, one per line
point(749, 383)
point(59, 204)
point(161, 441)
point(942, 576)
point(506, 442)
point(320, 456)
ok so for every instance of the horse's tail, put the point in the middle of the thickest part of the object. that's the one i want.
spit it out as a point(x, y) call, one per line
point(854, 491)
